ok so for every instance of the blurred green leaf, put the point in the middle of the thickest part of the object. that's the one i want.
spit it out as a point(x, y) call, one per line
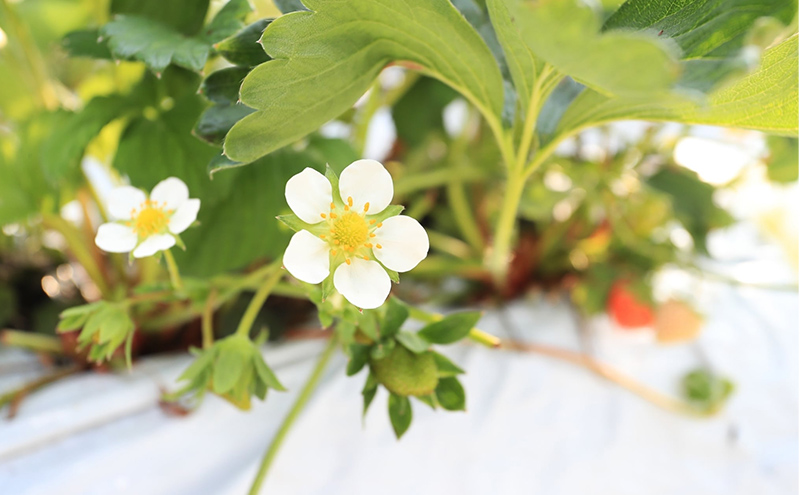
point(359, 356)
point(412, 342)
point(450, 394)
point(399, 414)
point(186, 16)
point(222, 86)
point(217, 120)
point(451, 328)
point(396, 315)
point(369, 390)
point(445, 366)
point(783, 159)
point(86, 43)
point(228, 20)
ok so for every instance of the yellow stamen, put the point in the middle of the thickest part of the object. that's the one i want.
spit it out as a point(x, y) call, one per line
point(333, 215)
point(347, 261)
point(336, 241)
point(372, 235)
point(366, 258)
point(333, 252)
point(323, 215)
point(366, 207)
point(368, 245)
point(151, 219)
point(333, 206)
point(350, 201)
point(380, 225)
point(322, 236)
point(346, 208)
point(371, 222)
point(378, 246)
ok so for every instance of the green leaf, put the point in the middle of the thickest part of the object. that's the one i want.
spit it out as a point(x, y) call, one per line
point(359, 355)
point(396, 315)
point(155, 44)
point(566, 34)
point(419, 111)
point(369, 390)
point(450, 394)
point(445, 366)
point(765, 100)
point(412, 342)
point(222, 86)
point(228, 20)
point(217, 120)
point(399, 414)
point(186, 16)
point(86, 43)
point(244, 47)
point(703, 387)
point(65, 145)
point(782, 161)
point(429, 400)
point(451, 328)
point(321, 69)
point(286, 6)
point(265, 373)
point(710, 33)
point(204, 361)
point(232, 356)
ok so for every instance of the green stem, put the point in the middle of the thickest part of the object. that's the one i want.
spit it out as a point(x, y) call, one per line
point(13, 397)
point(457, 195)
point(506, 223)
point(438, 177)
point(32, 341)
point(258, 300)
point(207, 323)
point(294, 412)
point(174, 274)
point(79, 249)
point(364, 117)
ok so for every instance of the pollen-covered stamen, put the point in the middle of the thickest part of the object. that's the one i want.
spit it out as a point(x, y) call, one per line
point(350, 230)
point(151, 218)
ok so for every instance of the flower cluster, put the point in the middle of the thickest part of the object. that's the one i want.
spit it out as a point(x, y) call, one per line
point(353, 234)
point(147, 225)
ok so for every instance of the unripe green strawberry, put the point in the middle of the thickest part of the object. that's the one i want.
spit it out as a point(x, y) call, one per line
point(406, 373)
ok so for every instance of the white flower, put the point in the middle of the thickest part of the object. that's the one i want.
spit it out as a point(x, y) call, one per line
point(146, 226)
point(352, 233)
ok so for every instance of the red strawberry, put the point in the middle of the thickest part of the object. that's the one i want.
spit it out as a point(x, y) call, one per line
point(628, 310)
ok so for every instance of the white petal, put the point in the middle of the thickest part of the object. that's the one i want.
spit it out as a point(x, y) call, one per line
point(403, 241)
point(308, 194)
point(306, 258)
point(154, 244)
point(363, 282)
point(184, 216)
point(367, 181)
point(115, 238)
point(124, 199)
point(171, 191)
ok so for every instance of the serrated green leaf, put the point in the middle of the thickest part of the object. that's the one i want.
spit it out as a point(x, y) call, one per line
point(228, 20)
point(71, 323)
point(765, 100)
point(450, 394)
point(413, 342)
point(399, 414)
point(566, 34)
point(157, 45)
point(359, 355)
point(445, 366)
point(710, 33)
point(95, 323)
point(321, 68)
point(265, 373)
point(396, 315)
point(217, 120)
point(83, 309)
point(204, 361)
point(244, 47)
point(451, 328)
point(86, 43)
point(222, 86)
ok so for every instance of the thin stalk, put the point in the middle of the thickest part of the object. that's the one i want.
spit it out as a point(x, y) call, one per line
point(174, 274)
point(435, 178)
point(31, 341)
point(207, 323)
point(258, 300)
point(457, 195)
point(364, 117)
point(79, 250)
point(294, 412)
point(604, 371)
point(13, 397)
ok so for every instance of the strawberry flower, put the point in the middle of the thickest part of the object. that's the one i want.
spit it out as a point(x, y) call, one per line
point(147, 225)
point(354, 234)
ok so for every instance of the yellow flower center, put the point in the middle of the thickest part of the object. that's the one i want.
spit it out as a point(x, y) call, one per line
point(350, 230)
point(151, 218)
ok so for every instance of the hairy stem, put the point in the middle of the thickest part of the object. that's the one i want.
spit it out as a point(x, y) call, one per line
point(294, 412)
point(31, 341)
point(174, 274)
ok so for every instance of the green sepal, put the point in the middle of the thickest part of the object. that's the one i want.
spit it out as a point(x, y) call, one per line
point(400, 414)
point(293, 222)
point(450, 394)
point(445, 366)
point(369, 390)
point(451, 328)
point(359, 356)
point(396, 315)
point(413, 342)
